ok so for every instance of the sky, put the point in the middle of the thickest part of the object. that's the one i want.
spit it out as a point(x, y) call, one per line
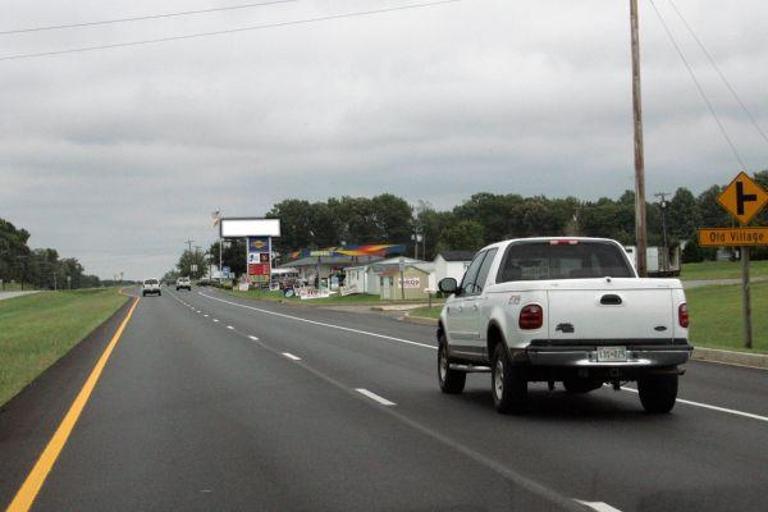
point(118, 156)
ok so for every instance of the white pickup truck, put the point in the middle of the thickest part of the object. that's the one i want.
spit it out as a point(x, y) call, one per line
point(570, 310)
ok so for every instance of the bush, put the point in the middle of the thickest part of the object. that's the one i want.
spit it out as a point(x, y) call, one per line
point(694, 253)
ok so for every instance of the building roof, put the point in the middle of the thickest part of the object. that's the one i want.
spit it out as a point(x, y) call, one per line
point(457, 255)
point(311, 261)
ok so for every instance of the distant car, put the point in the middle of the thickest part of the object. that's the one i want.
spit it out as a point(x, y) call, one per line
point(183, 283)
point(150, 286)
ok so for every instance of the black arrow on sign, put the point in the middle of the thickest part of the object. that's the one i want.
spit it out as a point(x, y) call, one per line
point(742, 198)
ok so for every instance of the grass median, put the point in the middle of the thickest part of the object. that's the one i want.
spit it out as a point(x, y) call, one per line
point(36, 330)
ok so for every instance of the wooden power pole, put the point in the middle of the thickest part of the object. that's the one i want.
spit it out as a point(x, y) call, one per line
point(640, 227)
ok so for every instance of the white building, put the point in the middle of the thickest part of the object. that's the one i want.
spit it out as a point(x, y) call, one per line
point(367, 278)
point(452, 264)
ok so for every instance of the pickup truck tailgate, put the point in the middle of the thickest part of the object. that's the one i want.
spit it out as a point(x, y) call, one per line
point(620, 309)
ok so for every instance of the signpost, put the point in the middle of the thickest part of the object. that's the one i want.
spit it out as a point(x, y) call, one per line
point(743, 199)
point(258, 234)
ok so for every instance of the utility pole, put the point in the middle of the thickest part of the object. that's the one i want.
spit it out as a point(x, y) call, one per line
point(663, 204)
point(189, 243)
point(637, 108)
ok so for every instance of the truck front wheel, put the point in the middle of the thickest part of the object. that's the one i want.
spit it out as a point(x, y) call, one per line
point(658, 393)
point(451, 381)
point(508, 386)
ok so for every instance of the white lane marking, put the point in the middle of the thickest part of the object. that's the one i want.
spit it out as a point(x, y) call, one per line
point(215, 319)
point(712, 407)
point(432, 347)
point(323, 324)
point(291, 356)
point(230, 328)
point(598, 505)
point(206, 316)
point(374, 396)
point(254, 338)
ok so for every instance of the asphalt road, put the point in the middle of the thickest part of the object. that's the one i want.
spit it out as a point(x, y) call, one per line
point(215, 403)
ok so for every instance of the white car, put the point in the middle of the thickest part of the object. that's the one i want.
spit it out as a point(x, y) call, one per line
point(150, 286)
point(570, 310)
point(183, 283)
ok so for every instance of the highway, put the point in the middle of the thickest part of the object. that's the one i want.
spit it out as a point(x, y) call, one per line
point(211, 402)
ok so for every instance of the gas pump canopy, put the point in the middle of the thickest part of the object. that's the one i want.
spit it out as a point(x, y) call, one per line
point(238, 227)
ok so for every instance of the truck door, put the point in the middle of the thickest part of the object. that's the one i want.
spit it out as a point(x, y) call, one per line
point(476, 305)
point(458, 326)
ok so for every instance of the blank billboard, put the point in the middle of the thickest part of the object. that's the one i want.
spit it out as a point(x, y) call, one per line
point(236, 228)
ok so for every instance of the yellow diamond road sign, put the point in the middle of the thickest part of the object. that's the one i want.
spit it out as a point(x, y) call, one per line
point(743, 198)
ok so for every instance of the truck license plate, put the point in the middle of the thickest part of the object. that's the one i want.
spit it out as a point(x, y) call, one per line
point(611, 354)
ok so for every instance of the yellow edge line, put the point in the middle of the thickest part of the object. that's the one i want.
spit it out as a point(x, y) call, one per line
point(36, 478)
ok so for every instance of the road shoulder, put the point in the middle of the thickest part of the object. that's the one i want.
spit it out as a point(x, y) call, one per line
point(29, 419)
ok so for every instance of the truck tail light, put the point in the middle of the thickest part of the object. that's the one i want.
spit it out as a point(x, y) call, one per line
point(682, 315)
point(531, 317)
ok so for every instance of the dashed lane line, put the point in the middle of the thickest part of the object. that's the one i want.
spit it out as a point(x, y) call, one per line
point(375, 397)
point(322, 324)
point(291, 356)
point(598, 505)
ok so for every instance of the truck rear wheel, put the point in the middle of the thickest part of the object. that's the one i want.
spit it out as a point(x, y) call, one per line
point(508, 386)
point(658, 393)
point(451, 382)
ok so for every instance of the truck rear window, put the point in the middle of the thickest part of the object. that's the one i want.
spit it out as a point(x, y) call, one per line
point(536, 261)
point(150, 281)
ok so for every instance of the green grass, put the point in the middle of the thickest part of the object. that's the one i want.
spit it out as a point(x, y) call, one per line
point(716, 318)
point(36, 330)
point(721, 270)
point(427, 312)
point(363, 299)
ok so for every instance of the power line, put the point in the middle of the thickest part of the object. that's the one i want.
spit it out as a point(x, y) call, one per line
point(228, 31)
point(699, 87)
point(719, 71)
point(142, 18)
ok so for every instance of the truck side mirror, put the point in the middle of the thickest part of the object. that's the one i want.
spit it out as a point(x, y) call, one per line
point(448, 285)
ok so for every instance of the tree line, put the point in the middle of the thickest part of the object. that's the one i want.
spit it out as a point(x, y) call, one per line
point(482, 219)
point(486, 217)
point(38, 268)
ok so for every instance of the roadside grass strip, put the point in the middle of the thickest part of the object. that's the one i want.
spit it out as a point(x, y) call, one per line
point(721, 270)
point(37, 330)
point(716, 317)
point(29, 490)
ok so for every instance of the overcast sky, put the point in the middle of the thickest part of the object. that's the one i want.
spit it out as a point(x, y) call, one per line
point(118, 156)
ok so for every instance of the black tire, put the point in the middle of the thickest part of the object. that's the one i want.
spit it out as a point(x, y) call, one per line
point(143, 294)
point(581, 386)
point(508, 385)
point(658, 393)
point(159, 294)
point(451, 382)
